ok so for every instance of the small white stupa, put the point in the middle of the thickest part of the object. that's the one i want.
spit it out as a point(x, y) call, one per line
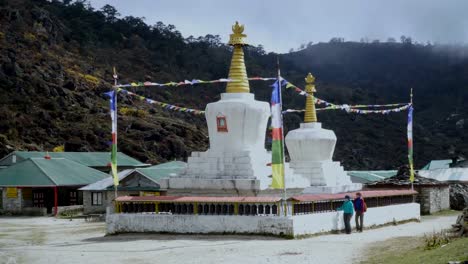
point(311, 151)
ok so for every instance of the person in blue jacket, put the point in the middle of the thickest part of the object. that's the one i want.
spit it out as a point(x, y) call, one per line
point(348, 211)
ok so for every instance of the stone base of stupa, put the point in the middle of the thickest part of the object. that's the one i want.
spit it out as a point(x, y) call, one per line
point(324, 177)
point(227, 171)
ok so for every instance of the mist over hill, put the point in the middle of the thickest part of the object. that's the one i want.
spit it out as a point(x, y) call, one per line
point(57, 57)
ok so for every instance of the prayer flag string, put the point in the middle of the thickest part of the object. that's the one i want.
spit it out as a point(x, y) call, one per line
point(186, 82)
point(163, 105)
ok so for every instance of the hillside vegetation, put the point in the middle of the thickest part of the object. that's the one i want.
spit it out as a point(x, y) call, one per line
point(57, 57)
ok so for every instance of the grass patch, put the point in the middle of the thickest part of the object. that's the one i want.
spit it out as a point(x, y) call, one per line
point(410, 250)
point(447, 212)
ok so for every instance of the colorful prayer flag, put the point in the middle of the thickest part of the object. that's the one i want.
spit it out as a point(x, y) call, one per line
point(277, 151)
point(410, 142)
point(113, 113)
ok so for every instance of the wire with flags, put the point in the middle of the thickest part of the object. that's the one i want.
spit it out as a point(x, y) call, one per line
point(186, 82)
point(346, 107)
point(351, 109)
point(163, 105)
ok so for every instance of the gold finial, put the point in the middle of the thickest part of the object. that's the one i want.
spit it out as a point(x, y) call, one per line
point(238, 28)
point(238, 37)
point(237, 71)
point(310, 115)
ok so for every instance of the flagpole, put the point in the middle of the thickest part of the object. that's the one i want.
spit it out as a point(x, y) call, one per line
point(412, 151)
point(282, 134)
point(115, 118)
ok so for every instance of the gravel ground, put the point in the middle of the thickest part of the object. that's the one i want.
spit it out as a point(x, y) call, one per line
point(49, 240)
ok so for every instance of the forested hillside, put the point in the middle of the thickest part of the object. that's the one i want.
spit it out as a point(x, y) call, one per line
point(57, 57)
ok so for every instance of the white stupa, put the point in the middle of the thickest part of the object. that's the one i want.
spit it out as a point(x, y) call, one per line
point(236, 159)
point(311, 151)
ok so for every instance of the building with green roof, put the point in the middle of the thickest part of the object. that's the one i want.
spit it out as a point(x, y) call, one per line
point(45, 183)
point(135, 182)
point(95, 160)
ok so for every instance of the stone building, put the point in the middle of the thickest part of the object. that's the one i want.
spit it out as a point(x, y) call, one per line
point(137, 182)
point(433, 195)
point(43, 184)
point(453, 172)
point(93, 160)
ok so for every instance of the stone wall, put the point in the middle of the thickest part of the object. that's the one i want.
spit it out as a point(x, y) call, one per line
point(13, 205)
point(34, 211)
point(107, 198)
point(273, 225)
point(434, 199)
point(70, 210)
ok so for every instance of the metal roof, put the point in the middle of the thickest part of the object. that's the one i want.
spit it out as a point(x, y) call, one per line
point(260, 199)
point(153, 173)
point(370, 176)
point(437, 164)
point(340, 196)
point(104, 183)
point(446, 175)
point(41, 172)
point(90, 159)
point(169, 165)
point(165, 170)
point(200, 199)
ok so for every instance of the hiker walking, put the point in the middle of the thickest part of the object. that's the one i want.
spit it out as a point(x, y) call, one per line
point(348, 210)
point(360, 207)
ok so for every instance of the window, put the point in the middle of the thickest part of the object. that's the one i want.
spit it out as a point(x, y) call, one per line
point(96, 198)
point(221, 124)
point(73, 197)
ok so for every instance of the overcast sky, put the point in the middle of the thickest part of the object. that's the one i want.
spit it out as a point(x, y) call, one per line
point(283, 24)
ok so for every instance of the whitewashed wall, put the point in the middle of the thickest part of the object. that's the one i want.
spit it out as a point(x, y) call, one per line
point(202, 224)
point(292, 226)
point(326, 222)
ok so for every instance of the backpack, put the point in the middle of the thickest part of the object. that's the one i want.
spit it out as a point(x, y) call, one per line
point(364, 206)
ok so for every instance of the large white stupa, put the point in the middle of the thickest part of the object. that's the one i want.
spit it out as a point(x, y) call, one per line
point(237, 162)
point(237, 159)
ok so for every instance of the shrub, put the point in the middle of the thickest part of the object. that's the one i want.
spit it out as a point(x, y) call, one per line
point(59, 148)
point(436, 239)
point(29, 37)
point(126, 111)
point(91, 79)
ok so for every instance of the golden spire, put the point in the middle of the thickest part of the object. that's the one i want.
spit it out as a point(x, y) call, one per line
point(237, 70)
point(310, 115)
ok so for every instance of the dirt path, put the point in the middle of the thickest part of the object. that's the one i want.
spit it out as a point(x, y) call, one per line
point(48, 240)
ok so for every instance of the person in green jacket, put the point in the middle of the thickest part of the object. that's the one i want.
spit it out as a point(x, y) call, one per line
point(348, 211)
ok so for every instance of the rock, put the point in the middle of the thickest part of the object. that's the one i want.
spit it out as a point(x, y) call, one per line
point(460, 123)
point(458, 196)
